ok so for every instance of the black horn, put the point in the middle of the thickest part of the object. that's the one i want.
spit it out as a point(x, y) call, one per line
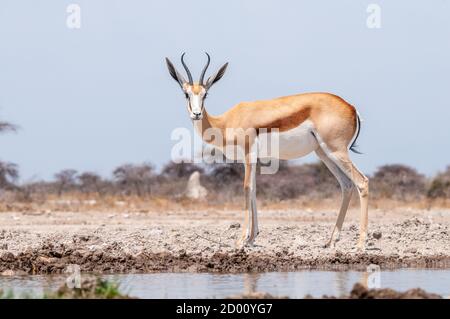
point(202, 76)
point(191, 82)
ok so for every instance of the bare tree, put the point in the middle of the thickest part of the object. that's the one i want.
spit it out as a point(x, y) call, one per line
point(9, 173)
point(135, 177)
point(5, 127)
point(90, 182)
point(65, 180)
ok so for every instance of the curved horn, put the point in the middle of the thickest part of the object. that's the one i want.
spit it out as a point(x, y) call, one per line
point(191, 82)
point(204, 69)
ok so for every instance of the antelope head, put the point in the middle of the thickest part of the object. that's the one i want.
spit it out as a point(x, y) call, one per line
point(195, 92)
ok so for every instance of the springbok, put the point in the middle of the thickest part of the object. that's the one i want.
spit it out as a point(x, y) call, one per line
point(319, 122)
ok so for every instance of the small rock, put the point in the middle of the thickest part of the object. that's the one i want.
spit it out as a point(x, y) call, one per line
point(8, 272)
point(46, 260)
point(182, 253)
point(158, 231)
point(7, 256)
point(377, 234)
point(84, 237)
point(235, 225)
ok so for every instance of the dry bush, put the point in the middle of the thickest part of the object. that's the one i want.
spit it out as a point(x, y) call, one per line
point(225, 181)
point(399, 182)
point(440, 185)
point(90, 183)
point(135, 179)
point(65, 180)
point(138, 187)
point(313, 180)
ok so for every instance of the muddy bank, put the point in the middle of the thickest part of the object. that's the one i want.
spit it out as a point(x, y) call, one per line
point(358, 292)
point(48, 261)
point(361, 292)
point(122, 242)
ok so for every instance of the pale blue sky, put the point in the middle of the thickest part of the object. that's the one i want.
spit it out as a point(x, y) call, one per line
point(95, 98)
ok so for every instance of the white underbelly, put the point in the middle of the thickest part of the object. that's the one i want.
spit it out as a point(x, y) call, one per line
point(294, 143)
point(291, 144)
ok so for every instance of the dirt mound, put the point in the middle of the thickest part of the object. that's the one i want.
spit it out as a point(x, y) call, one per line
point(90, 288)
point(361, 292)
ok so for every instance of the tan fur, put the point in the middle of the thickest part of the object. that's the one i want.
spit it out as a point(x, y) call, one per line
point(196, 88)
point(333, 118)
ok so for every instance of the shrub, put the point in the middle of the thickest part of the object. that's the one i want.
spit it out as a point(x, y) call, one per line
point(398, 182)
point(290, 182)
point(440, 185)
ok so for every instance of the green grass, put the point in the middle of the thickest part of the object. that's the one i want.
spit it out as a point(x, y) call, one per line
point(94, 289)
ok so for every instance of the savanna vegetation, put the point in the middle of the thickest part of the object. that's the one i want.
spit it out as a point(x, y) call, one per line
point(91, 287)
point(141, 186)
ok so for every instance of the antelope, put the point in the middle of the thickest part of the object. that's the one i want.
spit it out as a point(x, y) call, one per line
point(322, 123)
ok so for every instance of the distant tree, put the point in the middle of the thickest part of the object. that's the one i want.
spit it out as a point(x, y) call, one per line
point(5, 127)
point(65, 180)
point(440, 185)
point(180, 170)
point(226, 173)
point(398, 181)
point(90, 182)
point(9, 173)
point(135, 177)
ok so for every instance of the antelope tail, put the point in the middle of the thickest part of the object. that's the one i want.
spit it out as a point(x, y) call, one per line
point(353, 146)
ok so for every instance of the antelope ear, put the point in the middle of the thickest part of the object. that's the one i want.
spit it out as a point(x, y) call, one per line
point(175, 74)
point(217, 76)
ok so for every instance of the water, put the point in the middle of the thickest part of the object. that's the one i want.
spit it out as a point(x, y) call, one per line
point(206, 285)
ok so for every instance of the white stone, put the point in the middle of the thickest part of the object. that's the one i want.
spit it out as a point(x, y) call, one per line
point(194, 189)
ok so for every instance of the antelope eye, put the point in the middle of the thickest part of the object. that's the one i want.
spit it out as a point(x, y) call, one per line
point(186, 95)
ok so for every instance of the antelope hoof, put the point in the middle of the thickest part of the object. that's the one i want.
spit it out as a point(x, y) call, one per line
point(330, 242)
point(337, 238)
point(245, 241)
point(361, 246)
point(327, 244)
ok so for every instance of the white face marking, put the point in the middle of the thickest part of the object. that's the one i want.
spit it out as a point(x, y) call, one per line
point(195, 103)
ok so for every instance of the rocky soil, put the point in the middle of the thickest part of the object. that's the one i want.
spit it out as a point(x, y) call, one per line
point(199, 241)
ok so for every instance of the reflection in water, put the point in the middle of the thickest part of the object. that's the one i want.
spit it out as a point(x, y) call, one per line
point(250, 283)
point(341, 279)
point(206, 285)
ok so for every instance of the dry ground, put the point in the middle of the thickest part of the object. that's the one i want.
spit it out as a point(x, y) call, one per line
point(46, 242)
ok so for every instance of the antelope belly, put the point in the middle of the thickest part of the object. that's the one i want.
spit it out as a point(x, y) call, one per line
point(294, 143)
